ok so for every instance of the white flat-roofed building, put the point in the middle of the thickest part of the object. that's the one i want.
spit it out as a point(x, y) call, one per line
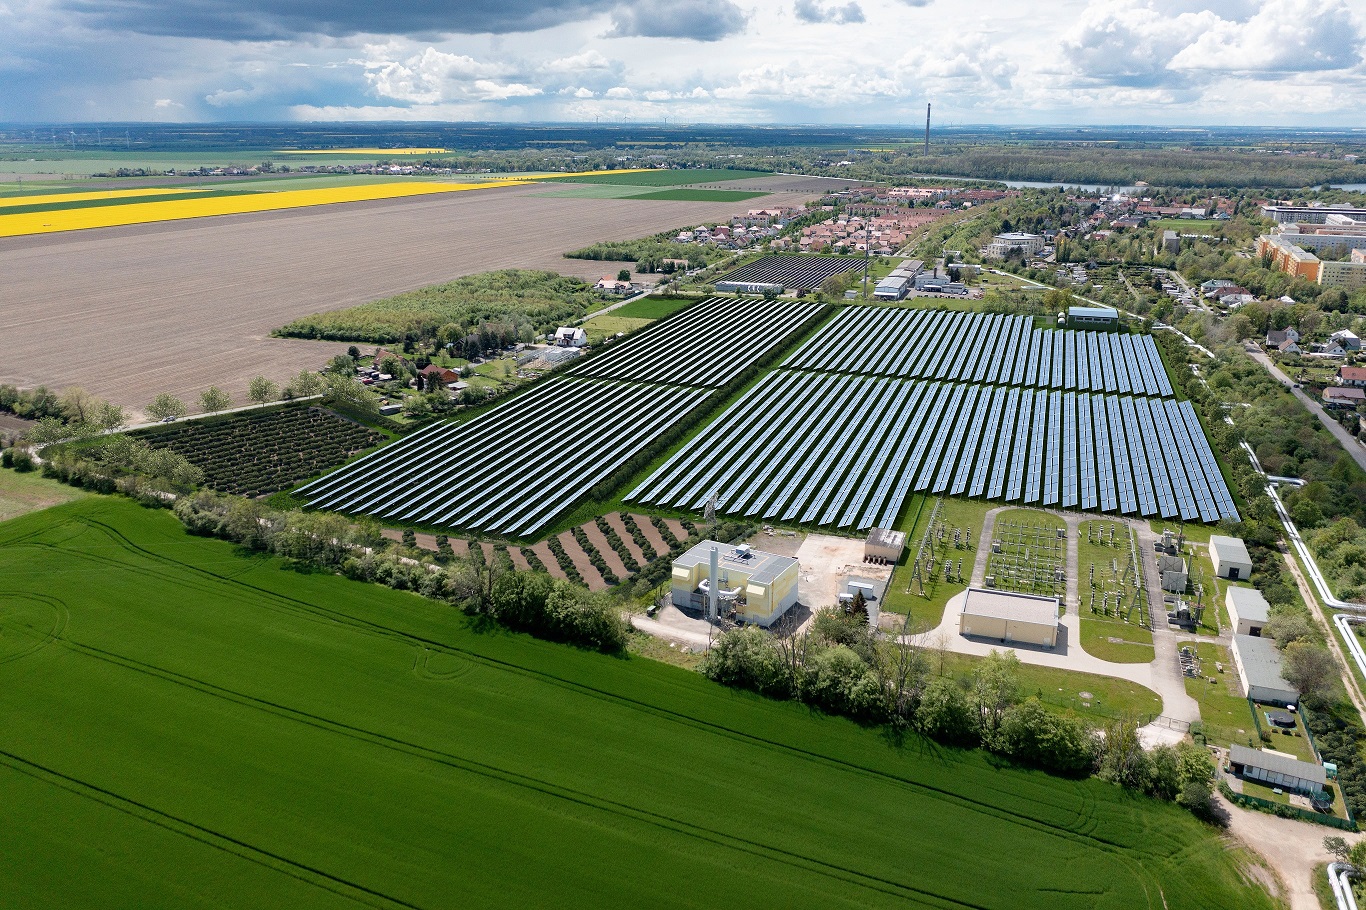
point(1230, 557)
point(1008, 616)
point(1248, 610)
point(1092, 317)
point(1002, 245)
point(761, 586)
point(1259, 667)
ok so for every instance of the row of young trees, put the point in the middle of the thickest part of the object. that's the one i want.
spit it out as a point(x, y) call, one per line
point(526, 601)
point(843, 667)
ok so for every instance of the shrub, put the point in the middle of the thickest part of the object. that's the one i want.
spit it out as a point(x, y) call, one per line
point(747, 658)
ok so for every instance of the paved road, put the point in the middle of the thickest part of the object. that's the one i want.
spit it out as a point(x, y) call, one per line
point(1348, 441)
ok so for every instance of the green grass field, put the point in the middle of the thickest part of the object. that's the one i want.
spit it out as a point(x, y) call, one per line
point(31, 491)
point(654, 307)
point(661, 177)
point(689, 195)
point(1225, 713)
point(188, 726)
point(904, 594)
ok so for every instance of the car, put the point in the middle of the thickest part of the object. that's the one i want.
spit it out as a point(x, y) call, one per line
point(170, 419)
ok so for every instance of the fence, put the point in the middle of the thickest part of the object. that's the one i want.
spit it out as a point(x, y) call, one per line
point(1283, 810)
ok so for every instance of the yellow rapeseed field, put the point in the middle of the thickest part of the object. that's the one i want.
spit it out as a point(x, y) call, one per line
point(35, 198)
point(18, 225)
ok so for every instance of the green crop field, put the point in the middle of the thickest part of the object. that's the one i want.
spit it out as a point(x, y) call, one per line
point(187, 726)
point(690, 195)
point(653, 307)
point(662, 177)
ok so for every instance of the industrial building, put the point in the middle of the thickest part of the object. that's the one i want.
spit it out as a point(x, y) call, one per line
point(1259, 667)
point(1311, 214)
point(893, 287)
point(1010, 617)
point(1277, 770)
point(1092, 317)
point(1229, 555)
point(1170, 242)
point(760, 587)
point(1247, 609)
point(884, 546)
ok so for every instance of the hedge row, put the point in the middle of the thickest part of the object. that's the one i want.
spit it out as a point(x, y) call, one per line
point(618, 545)
point(595, 557)
point(567, 566)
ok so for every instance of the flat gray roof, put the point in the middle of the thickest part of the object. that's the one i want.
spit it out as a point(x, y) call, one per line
point(885, 537)
point(1261, 661)
point(1230, 549)
point(995, 604)
point(1281, 764)
point(1094, 312)
point(1249, 603)
point(761, 567)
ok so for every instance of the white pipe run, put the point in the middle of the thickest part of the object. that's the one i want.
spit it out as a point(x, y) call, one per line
point(1342, 888)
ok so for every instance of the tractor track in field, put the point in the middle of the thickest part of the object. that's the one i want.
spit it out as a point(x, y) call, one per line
point(323, 614)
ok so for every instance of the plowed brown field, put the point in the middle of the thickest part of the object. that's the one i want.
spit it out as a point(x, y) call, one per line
point(177, 307)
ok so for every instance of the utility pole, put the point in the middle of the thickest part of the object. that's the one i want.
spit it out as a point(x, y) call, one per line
point(927, 130)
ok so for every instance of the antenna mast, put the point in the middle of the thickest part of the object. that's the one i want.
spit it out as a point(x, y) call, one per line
point(927, 130)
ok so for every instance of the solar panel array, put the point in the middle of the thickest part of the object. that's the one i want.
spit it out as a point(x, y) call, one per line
point(805, 272)
point(513, 469)
point(708, 344)
point(846, 451)
point(976, 347)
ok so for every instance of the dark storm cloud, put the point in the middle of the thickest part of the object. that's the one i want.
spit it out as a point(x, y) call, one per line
point(699, 20)
point(276, 20)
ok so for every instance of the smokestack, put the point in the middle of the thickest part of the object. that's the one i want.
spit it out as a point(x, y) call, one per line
point(714, 592)
point(927, 130)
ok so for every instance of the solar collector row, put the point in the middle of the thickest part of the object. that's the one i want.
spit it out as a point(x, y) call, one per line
point(846, 451)
point(793, 272)
point(513, 469)
point(975, 347)
point(707, 344)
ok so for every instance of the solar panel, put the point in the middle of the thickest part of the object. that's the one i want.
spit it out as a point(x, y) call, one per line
point(1107, 491)
point(1059, 353)
point(1117, 363)
point(1034, 480)
point(936, 449)
point(991, 433)
point(967, 419)
point(972, 443)
point(1119, 449)
point(1004, 447)
point(1053, 454)
point(1069, 374)
point(1138, 459)
point(871, 496)
point(1069, 451)
point(1019, 453)
point(1083, 362)
point(1157, 465)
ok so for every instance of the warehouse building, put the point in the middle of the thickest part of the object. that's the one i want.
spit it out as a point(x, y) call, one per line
point(1013, 618)
point(1092, 317)
point(1277, 770)
point(1247, 609)
point(1002, 245)
point(1229, 555)
point(893, 287)
point(1259, 667)
point(760, 587)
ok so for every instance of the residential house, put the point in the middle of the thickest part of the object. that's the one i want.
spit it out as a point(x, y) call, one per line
point(445, 374)
point(1343, 396)
point(1347, 338)
point(611, 285)
point(1277, 337)
point(1352, 376)
point(570, 337)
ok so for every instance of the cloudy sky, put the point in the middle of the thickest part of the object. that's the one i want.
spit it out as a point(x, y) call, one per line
point(1202, 62)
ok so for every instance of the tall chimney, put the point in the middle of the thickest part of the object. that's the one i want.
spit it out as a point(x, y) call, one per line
point(927, 130)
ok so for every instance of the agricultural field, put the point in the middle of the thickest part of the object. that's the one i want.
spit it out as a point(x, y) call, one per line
point(708, 344)
point(134, 210)
point(792, 272)
point(659, 177)
point(125, 289)
point(696, 195)
point(872, 340)
point(237, 734)
point(546, 449)
point(254, 453)
point(1113, 606)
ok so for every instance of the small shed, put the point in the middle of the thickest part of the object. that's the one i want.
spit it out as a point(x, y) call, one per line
point(884, 546)
point(1277, 770)
point(1230, 557)
point(1259, 667)
point(1248, 610)
point(1013, 618)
